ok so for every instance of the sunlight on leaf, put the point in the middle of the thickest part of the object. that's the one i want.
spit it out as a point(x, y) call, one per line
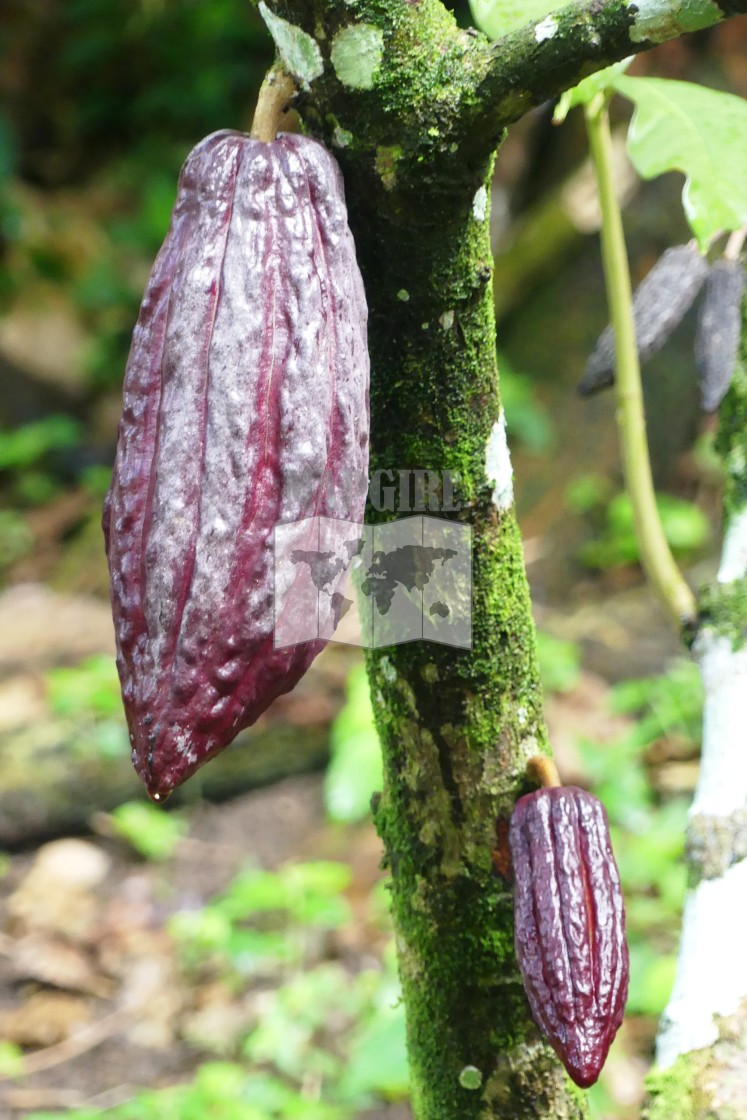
point(679, 126)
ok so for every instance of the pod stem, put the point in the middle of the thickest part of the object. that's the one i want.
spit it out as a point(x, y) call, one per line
point(274, 95)
point(656, 557)
point(543, 771)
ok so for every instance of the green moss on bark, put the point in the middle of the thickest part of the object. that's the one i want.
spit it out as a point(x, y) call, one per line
point(671, 1091)
point(456, 726)
point(723, 609)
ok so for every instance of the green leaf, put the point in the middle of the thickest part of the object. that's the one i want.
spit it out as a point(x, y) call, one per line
point(670, 704)
point(355, 768)
point(16, 538)
point(149, 830)
point(651, 980)
point(559, 663)
point(378, 1061)
point(586, 90)
point(92, 686)
point(25, 446)
point(309, 892)
point(685, 526)
point(679, 126)
point(586, 492)
point(527, 420)
point(497, 17)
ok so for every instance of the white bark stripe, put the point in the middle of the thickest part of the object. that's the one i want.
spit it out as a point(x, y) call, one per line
point(734, 554)
point(712, 966)
point(722, 781)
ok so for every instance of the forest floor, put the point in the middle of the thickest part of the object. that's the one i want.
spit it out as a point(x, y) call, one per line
point(120, 973)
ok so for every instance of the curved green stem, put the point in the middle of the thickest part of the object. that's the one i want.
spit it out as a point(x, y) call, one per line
point(656, 557)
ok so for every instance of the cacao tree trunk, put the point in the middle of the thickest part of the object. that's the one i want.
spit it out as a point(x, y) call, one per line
point(414, 109)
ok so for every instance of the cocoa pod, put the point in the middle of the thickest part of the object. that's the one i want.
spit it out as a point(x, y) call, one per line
point(719, 329)
point(660, 302)
point(569, 925)
point(245, 408)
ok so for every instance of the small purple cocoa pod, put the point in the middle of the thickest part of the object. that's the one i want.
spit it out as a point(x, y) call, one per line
point(245, 408)
point(719, 328)
point(569, 925)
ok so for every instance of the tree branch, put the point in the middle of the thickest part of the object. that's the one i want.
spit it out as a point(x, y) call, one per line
point(392, 68)
point(548, 56)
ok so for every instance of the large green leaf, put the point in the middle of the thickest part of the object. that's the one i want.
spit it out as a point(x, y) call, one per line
point(678, 126)
point(497, 17)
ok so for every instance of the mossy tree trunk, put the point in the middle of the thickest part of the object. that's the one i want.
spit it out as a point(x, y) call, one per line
point(415, 109)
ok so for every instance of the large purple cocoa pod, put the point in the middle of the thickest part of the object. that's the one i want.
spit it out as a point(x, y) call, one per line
point(245, 408)
point(569, 925)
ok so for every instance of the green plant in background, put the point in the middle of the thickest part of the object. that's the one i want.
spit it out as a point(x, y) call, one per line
point(354, 773)
point(686, 530)
point(89, 696)
point(91, 687)
point(221, 1091)
point(152, 833)
point(28, 456)
point(527, 420)
point(329, 1043)
point(28, 445)
point(260, 922)
point(559, 662)
point(16, 538)
point(320, 1022)
point(119, 67)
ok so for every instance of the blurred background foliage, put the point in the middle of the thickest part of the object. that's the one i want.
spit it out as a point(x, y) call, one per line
point(275, 993)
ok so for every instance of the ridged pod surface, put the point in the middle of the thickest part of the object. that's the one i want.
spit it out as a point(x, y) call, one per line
point(569, 925)
point(245, 407)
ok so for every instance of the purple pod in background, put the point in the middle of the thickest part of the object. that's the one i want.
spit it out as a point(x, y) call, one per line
point(245, 409)
point(660, 302)
point(569, 927)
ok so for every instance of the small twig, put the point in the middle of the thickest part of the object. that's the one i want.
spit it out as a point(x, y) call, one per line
point(274, 96)
point(80, 1043)
point(735, 243)
point(542, 770)
point(656, 557)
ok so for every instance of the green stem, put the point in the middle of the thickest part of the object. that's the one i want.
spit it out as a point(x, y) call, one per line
point(656, 557)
